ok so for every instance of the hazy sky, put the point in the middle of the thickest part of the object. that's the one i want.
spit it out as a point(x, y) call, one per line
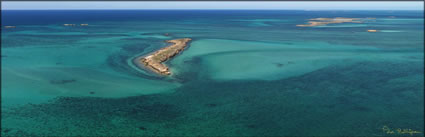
point(389, 5)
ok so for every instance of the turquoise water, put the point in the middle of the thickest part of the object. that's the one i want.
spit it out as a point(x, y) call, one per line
point(246, 73)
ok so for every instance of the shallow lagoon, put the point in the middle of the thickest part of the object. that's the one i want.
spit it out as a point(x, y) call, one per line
point(245, 73)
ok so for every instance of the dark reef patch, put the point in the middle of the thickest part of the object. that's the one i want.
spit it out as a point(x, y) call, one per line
point(6, 130)
point(142, 128)
point(64, 81)
point(13, 132)
point(141, 108)
point(279, 65)
point(293, 106)
point(193, 71)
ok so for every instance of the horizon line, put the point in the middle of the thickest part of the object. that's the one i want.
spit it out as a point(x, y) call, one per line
point(245, 9)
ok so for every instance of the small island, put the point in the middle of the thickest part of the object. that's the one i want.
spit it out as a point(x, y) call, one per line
point(372, 30)
point(75, 24)
point(69, 24)
point(153, 61)
point(325, 21)
point(9, 27)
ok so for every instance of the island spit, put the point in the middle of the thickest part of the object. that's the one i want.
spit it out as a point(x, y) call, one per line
point(153, 61)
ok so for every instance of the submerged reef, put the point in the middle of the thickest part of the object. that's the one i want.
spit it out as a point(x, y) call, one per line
point(365, 96)
point(65, 81)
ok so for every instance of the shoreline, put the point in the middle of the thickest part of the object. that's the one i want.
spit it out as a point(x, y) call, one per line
point(154, 61)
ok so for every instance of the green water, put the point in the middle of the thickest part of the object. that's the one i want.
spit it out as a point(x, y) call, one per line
point(245, 73)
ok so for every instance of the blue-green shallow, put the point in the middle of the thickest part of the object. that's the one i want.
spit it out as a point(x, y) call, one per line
point(246, 73)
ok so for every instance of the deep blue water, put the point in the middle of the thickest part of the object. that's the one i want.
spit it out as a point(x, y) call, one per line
point(45, 17)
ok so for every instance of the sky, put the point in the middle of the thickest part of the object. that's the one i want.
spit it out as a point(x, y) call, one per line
point(280, 5)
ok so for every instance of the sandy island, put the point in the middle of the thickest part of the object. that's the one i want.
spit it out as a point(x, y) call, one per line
point(153, 61)
point(8, 27)
point(325, 21)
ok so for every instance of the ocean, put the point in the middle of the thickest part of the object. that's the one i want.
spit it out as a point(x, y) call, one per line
point(245, 73)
